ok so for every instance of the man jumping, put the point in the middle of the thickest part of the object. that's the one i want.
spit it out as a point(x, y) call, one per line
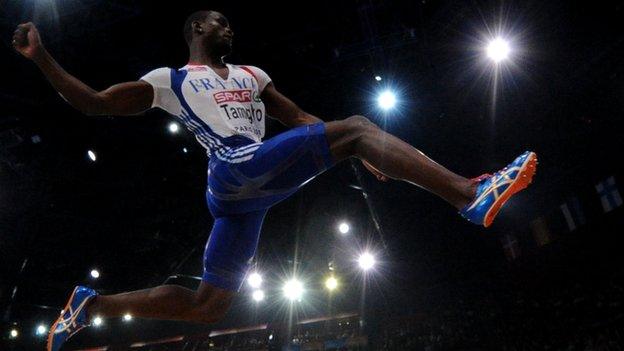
point(223, 105)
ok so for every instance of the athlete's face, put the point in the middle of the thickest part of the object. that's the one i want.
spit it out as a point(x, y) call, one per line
point(218, 33)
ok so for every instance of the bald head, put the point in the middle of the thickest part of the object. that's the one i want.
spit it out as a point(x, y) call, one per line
point(208, 32)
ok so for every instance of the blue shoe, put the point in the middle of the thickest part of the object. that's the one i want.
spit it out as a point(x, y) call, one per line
point(494, 190)
point(73, 318)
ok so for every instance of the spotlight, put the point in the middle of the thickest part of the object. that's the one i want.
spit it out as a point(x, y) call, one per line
point(386, 100)
point(498, 49)
point(378, 78)
point(185, 150)
point(254, 280)
point(97, 321)
point(366, 261)
point(344, 228)
point(127, 317)
point(174, 127)
point(331, 283)
point(13, 333)
point(293, 290)
point(91, 155)
point(95, 274)
point(257, 295)
point(41, 329)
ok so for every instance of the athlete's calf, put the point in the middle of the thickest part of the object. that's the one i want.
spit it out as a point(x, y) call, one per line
point(359, 137)
point(207, 304)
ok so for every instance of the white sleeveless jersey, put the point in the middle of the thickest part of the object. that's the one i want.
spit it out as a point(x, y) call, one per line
point(216, 110)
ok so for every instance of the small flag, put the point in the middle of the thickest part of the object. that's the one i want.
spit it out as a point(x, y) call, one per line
point(609, 194)
point(511, 247)
point(573, 213)
point(541, 233)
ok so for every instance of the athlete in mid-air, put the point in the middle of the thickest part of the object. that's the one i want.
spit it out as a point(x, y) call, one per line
point(224, 106)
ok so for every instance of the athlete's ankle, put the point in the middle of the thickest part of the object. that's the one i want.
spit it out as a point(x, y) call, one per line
point(468, 193)
point(471, 191)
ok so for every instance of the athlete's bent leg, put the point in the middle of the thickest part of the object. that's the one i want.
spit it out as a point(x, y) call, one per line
point(207, 304)
point(357, 136)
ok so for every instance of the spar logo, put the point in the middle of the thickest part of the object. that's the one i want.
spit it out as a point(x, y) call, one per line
point(233, 96)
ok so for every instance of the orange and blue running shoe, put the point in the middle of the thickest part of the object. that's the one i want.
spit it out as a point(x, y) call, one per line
point(73, 318)
point(493, 190)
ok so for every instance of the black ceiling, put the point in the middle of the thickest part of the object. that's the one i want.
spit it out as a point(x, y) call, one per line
point(138, 214)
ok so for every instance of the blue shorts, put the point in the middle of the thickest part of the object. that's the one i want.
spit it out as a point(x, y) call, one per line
point(241, 190)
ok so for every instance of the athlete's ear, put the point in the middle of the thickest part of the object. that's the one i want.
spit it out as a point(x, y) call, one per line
point(197, 27)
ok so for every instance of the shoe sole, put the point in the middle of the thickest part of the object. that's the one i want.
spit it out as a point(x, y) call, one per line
point(524, 178)
point(60, 318)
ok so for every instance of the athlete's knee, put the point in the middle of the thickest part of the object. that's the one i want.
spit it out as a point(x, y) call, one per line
point(360, 124)
point(348, 136)
point(360, 128)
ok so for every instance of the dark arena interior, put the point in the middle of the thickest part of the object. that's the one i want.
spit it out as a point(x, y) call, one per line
point(348, 262)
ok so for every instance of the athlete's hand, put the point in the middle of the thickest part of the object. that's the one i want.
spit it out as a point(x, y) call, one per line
point(26, 40)
point(380, 176)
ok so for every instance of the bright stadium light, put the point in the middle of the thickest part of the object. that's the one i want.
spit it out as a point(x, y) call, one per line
point(97, 321)
point(185, 150)
point(257, 295)
point(293, 290)
point(386, 100)
point(95, 273)
point(498, 49)
point(366, 261)
point(174, 127)
point(91, 155)
point(41, 329)
point(127, 317)
point(255, 280)
point(331, 283)
point(344, 228)
point(378, 78)
point(13, 333)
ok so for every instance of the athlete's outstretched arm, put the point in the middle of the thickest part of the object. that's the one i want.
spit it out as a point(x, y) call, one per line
point(282, 108)
point(121, 99)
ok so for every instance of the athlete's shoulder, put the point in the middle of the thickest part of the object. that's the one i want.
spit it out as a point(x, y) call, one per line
point(261, 76)
point(250, 67)
point(158, 72)
point(162, 69)
point(161, 80)
point(160, 77)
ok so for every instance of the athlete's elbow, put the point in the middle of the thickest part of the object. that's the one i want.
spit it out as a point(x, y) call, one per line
point(94, 107)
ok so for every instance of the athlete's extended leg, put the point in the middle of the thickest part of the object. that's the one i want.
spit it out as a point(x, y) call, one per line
point(227, 257)
point(231, 245)
point(478, 200)
point(357, 136)
point(207, 304)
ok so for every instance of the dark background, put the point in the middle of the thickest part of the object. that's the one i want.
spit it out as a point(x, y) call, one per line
point(138, 213)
